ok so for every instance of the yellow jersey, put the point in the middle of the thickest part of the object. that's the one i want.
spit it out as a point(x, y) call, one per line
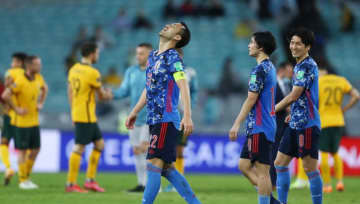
point(27, 94)
point(331, 92)
point(13, 73)
point(83, 80)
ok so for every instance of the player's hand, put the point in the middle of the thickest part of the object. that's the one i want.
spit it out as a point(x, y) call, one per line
point(287, 119)
point(40, 106)
point(9, 81)
point(109, 94)
point(233, 133)
point(20, 111)
point(187, 126)
point(130, 121)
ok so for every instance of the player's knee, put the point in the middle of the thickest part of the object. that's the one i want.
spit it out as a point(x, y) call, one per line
point(136, 150)
point(79, 149)
point(243, 167)
point(4, 141)
point(99, 145)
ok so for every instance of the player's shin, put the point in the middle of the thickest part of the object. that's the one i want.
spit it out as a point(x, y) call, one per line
point(93, 164)
point(315, 186)
point(74, 165)
point(153, 184)
point(282, 182)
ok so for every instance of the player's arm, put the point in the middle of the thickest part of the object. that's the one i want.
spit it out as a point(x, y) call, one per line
point(8, 99)
point(289, 99)
point(95, 82)
point(130, 121)
point(354, 93)
point(186, 122)
point(124, 90)
point(245, 110)
point(104, 94)
point(43, 96)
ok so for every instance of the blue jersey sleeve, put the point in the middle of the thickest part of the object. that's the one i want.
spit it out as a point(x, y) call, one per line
point(175, 63)
point(257, 80)
point(124, 90)
point(302, 78)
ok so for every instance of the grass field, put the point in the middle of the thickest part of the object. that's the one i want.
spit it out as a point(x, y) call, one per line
point(210, 189)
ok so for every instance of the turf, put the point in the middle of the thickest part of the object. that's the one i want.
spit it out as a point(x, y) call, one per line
point(210, 189)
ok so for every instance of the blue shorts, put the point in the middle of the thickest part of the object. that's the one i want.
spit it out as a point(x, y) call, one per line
point(300, 143)
point(257, 148)
point(164, 138)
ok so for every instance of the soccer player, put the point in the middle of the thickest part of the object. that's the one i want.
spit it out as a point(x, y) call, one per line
point(332, 89)
point(30, 91)
point(17, 68)
point(259, 112)
point(301, 138)
point(191, 78)
point(84, 84)
point(165, 81)
point(133, 86)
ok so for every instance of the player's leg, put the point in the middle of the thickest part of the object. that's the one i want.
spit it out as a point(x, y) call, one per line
point(246, 167)
point(154, 169)
point(33, 151)
point(264, 182)
point(90, 183)
point(325, 143)
point(338, 163)
point(6, 135)
point(287, 150)
point(301, 178)
point(180, 183)
point(308, 140)
point(139, 158)
point(81, 139)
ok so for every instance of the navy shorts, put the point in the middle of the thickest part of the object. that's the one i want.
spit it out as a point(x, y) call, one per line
point(164, 138)
point(300, 143)
point(257, 148)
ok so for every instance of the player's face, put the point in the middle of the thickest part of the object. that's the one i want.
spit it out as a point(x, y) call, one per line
point(171, 31)
point(16, 63)
point(36, 65)
point(297, 47)
point(95, 56)
point(253, 47)
point(142, 54)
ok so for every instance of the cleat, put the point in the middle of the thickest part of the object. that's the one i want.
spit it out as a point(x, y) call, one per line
point(327, 189)
point(9, 173)
point(137, 189)
point(340, 186)
point(93, 186)
point(27, 185)
point(299, 184)
point(32, 184)
point(169, 188)
point(74, 188)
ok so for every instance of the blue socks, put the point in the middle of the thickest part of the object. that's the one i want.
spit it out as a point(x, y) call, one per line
point(282, 183)
point(315, 187)
point(272, 198)
point(153, 184)
point(181, 185)
point(264, 199)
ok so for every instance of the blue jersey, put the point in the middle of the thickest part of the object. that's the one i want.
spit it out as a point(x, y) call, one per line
point(262, 116)
point(162, 95)
point(305, 110)
point(133, 86)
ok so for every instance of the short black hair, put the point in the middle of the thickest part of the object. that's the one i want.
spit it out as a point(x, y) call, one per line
point(88, 48)
point(266, 41)
point(306, 35)
point(29, 59)
point(145, 44)
point(21, 56)
point(185, 36)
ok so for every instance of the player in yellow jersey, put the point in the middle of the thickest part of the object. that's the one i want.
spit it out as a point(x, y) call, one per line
point(29, 91)
point(332, 89)
point(17, 67)
point(84, 83)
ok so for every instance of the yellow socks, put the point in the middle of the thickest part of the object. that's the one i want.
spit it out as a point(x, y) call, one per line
point(325, 168)
point(22, 172)
point(179, 164)
point(74, 165)
point(93, 164)
point(338, 167)
point(301, 172)
point(29, 165)
point(4, 151)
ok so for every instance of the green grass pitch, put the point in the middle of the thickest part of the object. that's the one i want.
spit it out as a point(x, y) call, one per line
point(210, 189)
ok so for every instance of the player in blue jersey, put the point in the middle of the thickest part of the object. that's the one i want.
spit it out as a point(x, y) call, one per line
point(132, 86)
point(165, 80)
point(301, 137)
point(259, 112)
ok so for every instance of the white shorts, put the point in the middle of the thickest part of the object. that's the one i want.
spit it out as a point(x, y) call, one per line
point(139, 135)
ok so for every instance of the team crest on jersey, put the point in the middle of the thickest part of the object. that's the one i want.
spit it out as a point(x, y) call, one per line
point(301, 140)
